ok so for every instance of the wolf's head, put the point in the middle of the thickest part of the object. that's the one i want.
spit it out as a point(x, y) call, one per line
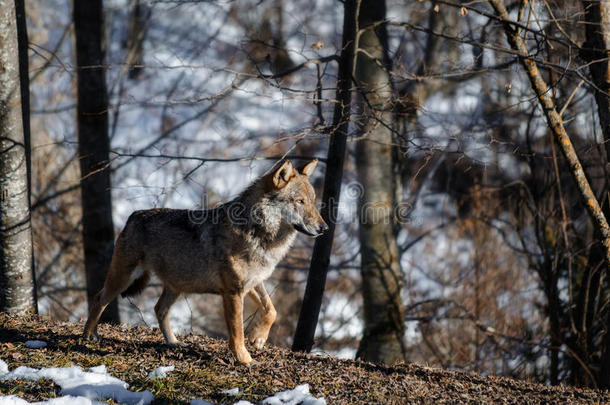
point(291, 193)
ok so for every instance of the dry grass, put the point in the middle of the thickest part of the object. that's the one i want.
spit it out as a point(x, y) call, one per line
point(204, 367)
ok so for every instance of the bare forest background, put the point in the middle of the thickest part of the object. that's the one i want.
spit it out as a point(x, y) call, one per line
point(478, 130)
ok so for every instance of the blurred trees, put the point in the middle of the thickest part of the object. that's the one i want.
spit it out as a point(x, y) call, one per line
point(502, 269)
point(595, 50)
point(587, 337)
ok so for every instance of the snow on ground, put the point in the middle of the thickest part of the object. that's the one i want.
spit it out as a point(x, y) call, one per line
point(299, 395)
point(85, 386)
point(35, 344)
point(200, 402)
point(67, 400)
point(347, 352)
point(95, 385)
point(160, 372)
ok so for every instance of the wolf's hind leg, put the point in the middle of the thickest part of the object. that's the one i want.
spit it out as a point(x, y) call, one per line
point(117, 279)
point(233, 306)
point(167, 299)
point(258, 336)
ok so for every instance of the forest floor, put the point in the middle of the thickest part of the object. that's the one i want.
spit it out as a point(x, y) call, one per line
point(204, 367)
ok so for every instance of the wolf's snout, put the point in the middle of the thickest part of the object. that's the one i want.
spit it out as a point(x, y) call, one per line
point(322, 228)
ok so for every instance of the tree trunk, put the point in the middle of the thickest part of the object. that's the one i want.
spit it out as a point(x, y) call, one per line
point(604, 374)
point(16, 281)
point(24, 79)
point(384, 326)
point(320, 259)
point(93, 148)
point(138, 25)
point(595, 50)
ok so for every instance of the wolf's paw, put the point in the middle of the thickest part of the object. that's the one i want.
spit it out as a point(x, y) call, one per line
point(258, 343)
point(257, 339)
point(91, 337)
point(243, 356)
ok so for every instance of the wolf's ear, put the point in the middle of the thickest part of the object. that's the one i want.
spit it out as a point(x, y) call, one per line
point(308, 168)
point(283, 174)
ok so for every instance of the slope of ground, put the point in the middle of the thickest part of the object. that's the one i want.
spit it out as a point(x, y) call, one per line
point(204, 367)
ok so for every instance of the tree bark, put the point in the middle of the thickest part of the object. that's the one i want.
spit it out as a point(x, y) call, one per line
point(16, 281)
point(24, 79)
point(604, 374)
point(138, 25)
point(384, 326)
point(94, 147)
point(595, 50)
point(316, 279)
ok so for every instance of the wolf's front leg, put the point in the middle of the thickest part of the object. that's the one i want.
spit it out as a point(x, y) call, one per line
point(233, 306)
point(258, 336)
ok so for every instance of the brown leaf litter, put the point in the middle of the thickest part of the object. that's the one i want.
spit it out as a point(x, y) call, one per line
point(204, 367)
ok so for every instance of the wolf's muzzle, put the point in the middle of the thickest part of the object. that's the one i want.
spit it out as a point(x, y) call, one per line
point(322, 228)
point(311, 232)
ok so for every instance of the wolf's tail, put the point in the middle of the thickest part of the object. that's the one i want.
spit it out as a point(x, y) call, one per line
point(138, 285)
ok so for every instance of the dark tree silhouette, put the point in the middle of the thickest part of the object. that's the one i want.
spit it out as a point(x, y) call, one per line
point(93, 148)
point(320, 259)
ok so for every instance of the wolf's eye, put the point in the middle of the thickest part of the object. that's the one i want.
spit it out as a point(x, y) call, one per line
point(301, 201)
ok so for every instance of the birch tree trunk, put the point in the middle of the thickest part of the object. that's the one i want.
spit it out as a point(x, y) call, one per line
point(384, 326)
point(93, 148)
point(16, 281)
point(24, 79)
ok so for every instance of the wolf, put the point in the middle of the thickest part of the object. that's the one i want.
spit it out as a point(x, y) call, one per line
point(229, 250)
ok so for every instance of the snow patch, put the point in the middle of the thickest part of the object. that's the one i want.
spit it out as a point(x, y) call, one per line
point(160, 372)
point(68, 400)
point(101, 369)
point(3, 368)
point(89, 387)
point(200, 402)
point(232, 391)
point(299, 395)
point(95, 384)
point(35, 344)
